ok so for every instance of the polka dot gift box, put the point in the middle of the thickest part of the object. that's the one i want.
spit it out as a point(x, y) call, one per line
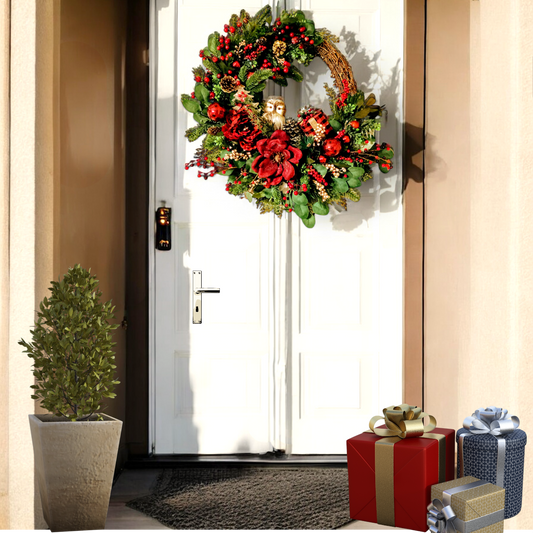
point(491, 448)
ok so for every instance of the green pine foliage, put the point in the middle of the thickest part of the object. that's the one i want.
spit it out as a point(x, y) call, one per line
point(72, 350)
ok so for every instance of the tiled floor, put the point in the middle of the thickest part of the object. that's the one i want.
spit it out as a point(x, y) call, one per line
point(134, 483)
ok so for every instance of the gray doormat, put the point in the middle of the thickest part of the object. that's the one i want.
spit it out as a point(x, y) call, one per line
point(249, 498)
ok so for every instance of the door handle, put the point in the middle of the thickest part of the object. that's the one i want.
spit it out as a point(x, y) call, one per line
point(205, 290)
point(197, 292)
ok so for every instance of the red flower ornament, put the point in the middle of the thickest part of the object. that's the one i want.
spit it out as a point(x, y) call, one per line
point(239, 128)
point(277, 158)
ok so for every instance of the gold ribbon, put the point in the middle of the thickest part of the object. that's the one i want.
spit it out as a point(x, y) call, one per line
point(402, 421)
point(313, 123)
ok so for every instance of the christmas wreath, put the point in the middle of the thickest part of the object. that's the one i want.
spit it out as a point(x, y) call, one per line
point(298, 164)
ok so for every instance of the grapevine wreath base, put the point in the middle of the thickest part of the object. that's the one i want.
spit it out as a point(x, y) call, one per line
point(284, 164)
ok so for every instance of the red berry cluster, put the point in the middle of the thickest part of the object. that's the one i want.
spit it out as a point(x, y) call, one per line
point(293, 33)
point(341, 102)
point(224, 43)
point(252, 54)
point(202, 163)
point(207, 81)
point(316, 176)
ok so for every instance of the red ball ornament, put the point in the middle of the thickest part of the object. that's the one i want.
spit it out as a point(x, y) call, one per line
point(216, 112)
point(346, 139)
point(331, 147)
point(354, 124)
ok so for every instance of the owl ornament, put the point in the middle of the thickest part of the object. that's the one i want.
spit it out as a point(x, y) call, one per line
point(275, 111)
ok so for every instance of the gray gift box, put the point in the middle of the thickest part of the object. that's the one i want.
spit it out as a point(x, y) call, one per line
point(480, 460)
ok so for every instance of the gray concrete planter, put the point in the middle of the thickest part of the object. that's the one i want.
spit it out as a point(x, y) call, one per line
point(74, 466)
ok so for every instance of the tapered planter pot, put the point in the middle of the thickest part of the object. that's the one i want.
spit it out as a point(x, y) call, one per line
point(74, 465)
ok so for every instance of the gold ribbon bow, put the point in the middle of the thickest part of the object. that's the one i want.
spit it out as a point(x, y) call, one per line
point(403, 421)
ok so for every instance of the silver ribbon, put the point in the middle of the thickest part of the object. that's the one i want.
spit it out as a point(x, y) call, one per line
point(441, 517)
point(493, 421)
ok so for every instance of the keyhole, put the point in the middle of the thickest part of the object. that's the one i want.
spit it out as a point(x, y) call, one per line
point(197, 309)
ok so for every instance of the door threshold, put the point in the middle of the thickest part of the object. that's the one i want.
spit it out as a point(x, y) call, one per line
point(235, 460)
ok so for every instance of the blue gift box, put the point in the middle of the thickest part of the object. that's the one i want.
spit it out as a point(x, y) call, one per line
point(480, 457)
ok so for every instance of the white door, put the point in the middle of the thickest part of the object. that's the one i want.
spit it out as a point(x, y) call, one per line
point(302, 346)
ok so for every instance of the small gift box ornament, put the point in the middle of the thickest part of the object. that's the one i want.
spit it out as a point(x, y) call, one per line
point(314, 122)
point(391, 469)
point(466, 505)
point(492, 448)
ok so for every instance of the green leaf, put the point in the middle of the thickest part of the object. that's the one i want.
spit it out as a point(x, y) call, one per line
point(309, 222)
point(196, 132)
point(248, 196)
point(260, 88)
point(309, 27)
point(300, 199)
point(213, 67)
point(321, 169)
point(190, 104)
point(243, 72)
point(356, 172)
point(383, 168)
point(362, 113)
point(201, 119)
point(201, 92)
point(212, 43)
point(263, 16)
point(340, 184)
point(335, 124)
point(257, 77)
point(320, 209)
point(386, 154)
point(308, 141)
point(354, 182)
point(295, 74)
point(301, 210)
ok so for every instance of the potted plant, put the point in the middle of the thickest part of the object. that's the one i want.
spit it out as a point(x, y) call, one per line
point(75, 446)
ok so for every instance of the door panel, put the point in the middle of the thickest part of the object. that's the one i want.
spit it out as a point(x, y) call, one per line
point(347, 272)
point(212, 379)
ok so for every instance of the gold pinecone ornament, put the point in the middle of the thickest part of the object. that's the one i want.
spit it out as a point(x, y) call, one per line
point(228, 84)
point(279, 48)
point(293, 131)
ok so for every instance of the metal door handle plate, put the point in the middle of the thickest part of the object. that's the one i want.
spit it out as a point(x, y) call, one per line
point(197, 292)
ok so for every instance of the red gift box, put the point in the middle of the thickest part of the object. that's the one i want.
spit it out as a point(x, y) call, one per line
point(395, 489)
point(311, 118)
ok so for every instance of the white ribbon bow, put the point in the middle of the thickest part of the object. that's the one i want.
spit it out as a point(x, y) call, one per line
point(440, 517)
point(493, 420)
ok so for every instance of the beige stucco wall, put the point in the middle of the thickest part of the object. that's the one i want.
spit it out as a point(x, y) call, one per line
point(22, 260)
point(479, 234)
point(4, 262)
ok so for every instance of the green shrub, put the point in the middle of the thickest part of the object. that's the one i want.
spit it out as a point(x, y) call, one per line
point(72, 352)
